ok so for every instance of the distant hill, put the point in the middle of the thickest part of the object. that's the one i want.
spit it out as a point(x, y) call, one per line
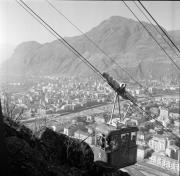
point(123, 39)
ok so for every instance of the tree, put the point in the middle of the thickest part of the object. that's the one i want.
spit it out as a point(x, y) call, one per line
point(3, 149)
point(11, 110)
point(69, 144)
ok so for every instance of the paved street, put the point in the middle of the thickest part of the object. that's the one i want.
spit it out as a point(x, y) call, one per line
point(133, 171)
point(145, 169)
point(70, 115)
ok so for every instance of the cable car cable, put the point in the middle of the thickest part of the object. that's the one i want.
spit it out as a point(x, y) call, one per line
point(159, 26)
point(51, 32)
point(112, 60)
point(93, 42)
point(177, 67)
point(59, 37)
point(32, 13)
point(173, 49)
point(164, 128)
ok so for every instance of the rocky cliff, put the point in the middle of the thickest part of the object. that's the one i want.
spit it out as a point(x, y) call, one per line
point(45, 153)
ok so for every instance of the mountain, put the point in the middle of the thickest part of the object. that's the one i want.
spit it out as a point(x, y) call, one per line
point(174, 34)
point(124, 40)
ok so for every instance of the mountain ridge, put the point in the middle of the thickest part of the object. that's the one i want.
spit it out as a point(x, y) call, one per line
point(124, 40)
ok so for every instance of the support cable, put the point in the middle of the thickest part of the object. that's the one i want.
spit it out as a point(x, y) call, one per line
point(37, 17)
point(58, 36)
point(159, 26)
point(97, 46)
point(177, 67)
point(173, 49)
point(164, 128)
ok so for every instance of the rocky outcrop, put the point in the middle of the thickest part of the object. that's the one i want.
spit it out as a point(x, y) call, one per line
point(47, 153)
point(23, 159)
point(63, 149)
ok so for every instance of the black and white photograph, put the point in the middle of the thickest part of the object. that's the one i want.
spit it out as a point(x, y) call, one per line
point(89, 88)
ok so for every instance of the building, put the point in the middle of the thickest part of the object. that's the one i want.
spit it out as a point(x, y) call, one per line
point(89, 118)
point(165, 162)
point(141, 138)
point(70, 129)
point(76, 106)
point(163, 143)
point(91, 128)
point(174, 115)
point(99, 119)
point(173, 152)
point(67, 107)
point(158, 143)
point(164, 116)
point(142, 151)
point(177, 123)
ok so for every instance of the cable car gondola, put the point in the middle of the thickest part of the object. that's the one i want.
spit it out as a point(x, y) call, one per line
point(115, 144)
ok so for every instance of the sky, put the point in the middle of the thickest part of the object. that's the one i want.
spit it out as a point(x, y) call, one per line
point(17, 26)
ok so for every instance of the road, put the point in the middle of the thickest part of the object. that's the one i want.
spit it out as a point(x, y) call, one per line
point(64, 116)
point(133, 171)
point(154, 169)
point(145, 169)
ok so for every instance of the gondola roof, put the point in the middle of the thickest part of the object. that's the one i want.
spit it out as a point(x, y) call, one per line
point(107, 129)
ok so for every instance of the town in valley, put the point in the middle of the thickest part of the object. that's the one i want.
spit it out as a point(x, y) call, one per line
point(74, 106)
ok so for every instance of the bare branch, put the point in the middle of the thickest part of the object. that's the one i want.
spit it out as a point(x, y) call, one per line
point(20, 115)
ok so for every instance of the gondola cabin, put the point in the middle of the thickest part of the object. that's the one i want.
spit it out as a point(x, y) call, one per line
point(115, 146)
